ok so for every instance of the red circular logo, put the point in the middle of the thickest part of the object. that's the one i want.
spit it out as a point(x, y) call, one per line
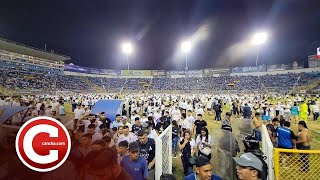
point(43, 144)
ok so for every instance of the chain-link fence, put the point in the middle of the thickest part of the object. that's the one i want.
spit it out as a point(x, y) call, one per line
point(163, 153)
point(291, 164)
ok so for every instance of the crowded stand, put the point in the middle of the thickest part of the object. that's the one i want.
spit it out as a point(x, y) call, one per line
point(11, 78)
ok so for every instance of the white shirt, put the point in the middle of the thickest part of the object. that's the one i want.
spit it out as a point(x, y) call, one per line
point(186, 124)
point(78, 113)
point(38, 106)
point(133, 118)
point(199, 111)
point(130, 138)
point(200, 141)
point(176, 114)
point(129, 125)
point(315, 108)
point(190, 119)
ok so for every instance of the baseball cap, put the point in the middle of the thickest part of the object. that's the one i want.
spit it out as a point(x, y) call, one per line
point(124, 117)
point(202, 161)
point(249, 160)
point(134, 146)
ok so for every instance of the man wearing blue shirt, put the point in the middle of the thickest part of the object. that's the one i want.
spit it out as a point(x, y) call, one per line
point(135, 165)
point(286, 137)
point(203, 170)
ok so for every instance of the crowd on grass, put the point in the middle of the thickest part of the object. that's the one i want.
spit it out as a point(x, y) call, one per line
point(127, 144)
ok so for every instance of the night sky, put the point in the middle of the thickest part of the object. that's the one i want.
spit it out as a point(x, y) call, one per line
point(90, 31)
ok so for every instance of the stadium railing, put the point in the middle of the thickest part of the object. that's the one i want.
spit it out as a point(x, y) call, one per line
point(163, 164)
point(296, 164)
point(267, 149)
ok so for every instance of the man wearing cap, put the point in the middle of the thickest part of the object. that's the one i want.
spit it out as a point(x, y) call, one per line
point(203, 170)
point(147, 151)
point(135, 165)
point(249, 167)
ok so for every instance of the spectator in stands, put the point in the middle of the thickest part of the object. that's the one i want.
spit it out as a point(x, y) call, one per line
point(249, 167)
point(147, 151)
point(188, 147)
point(203, 170)
point(134, 164)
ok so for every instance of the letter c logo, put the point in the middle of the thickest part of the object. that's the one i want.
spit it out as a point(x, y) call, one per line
point(43, 144)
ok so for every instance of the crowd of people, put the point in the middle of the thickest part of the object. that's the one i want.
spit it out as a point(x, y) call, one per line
point(12, 79)
point(131, 136)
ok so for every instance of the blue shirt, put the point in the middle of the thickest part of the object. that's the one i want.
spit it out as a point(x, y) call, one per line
point(193, 177)
point(116, 124)
point(294, 110)
point(285, 137)
point(61, 110)
point(138, 169)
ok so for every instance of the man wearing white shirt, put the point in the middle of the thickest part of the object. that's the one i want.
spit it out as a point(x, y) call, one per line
point(126, 123)
point(185, 124)
point(175, 114)
point(78, 113)
point(189, 117)
point(133, 117)
point(199, 110)
point(315, 110)
point(127, 136)
point(2, 102)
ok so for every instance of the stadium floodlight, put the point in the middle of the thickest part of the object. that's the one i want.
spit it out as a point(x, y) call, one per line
point(127, 49)
point(258, 39)
point(186, 47)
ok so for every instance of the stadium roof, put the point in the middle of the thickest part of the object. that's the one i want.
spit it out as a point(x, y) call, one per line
point(30, 51)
